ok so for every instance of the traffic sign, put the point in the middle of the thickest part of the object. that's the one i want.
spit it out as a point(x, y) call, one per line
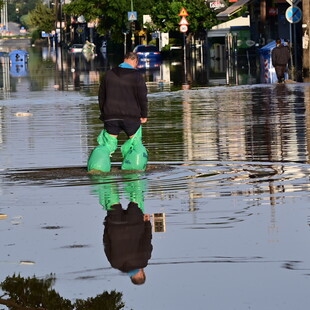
point(183, 21)
point(132, 16)
point(183, 12)
point(183, 28)
point(293, 14)
point(293, 2)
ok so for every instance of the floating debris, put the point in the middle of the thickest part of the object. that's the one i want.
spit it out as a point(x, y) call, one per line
point(22, 114)
point(3, 216)
point(16, 220)
point(26, 262)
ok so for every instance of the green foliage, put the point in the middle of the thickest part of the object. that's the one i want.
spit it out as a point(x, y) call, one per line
point(35, 35)
point(34, 293)
point(112, 15)
point(19, 8)
point(42, 18)
point(104, 301)
point(165, 13)
point(25, 21)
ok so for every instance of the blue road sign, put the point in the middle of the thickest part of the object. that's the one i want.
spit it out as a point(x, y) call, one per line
point(293, 14)
point(132, 16)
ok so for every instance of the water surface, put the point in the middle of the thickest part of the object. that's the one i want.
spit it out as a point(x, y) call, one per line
point(228, 169)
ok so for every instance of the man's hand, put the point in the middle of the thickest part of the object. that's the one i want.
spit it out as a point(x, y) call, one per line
point(143, 120)
point(146, 217)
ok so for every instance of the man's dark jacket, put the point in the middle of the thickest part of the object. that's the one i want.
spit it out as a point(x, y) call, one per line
point(280, 55)
point(123, 95)
point(127, 244)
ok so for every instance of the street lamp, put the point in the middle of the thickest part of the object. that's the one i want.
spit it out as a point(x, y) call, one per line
point(17, 14)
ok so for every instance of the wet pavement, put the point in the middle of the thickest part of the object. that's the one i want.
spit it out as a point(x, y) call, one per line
point(227, 188)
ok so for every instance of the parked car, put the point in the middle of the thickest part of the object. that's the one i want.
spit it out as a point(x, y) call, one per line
point(76, 48)
point(149, 65)
point(147, 52)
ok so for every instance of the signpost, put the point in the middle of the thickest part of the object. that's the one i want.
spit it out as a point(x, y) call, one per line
point(183, 28)
point(132, 17)
point(293, 2)
point(293, 15)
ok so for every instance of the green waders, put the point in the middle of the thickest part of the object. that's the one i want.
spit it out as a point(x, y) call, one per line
point(135, 187)
point(108, 192)
point(134, 153)
point(99, 158)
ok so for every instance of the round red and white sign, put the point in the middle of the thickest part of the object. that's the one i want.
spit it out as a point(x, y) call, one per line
point(183, 28)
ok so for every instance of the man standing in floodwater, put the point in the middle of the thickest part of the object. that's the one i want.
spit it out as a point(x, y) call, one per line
point(280, 57)
point(123, 98)
point(123, 107)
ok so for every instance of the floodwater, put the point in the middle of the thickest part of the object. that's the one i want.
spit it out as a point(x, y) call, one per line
point(227, 188)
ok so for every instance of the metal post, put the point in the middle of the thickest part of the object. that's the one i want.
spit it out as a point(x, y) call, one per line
point(132, 31)
point(236, 58)
point(290, 46)
point(184, 55)
point(125, 43)
point(60, 26)
point(227, 47)
point(295, 53)
point(4, 15)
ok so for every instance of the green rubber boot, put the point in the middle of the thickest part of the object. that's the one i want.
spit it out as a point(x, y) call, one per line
point(134, 153)
point(99, 159)
point(107, 190)
point(135, 187)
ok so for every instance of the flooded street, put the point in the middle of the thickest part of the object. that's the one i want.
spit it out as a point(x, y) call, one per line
point(227, 188)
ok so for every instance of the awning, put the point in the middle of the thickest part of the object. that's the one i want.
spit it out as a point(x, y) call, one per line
point(234, 8)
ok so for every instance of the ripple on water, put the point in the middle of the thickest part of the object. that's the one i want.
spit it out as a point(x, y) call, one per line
point(206, 179)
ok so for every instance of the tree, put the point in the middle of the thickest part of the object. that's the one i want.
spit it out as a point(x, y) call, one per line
point(42, 18)
point(165, 17)
point(19, 8)
point(33, 293)
point(111, 15)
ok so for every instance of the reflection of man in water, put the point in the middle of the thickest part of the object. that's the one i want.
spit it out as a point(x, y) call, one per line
point(127, 240)
point(127, 233)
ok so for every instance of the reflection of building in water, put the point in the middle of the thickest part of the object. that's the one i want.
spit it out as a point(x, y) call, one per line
point(1, 124)
point(5, 84)
point(157, 76)
point(279, 125)
point(268, 124)
point(72, 71)
point(307, 106)
point(216, 134)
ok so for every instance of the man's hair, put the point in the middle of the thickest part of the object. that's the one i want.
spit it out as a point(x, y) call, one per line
point(131, 55)
point(139, 281)
point(278, 41)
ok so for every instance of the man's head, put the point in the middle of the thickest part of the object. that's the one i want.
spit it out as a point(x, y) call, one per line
point(138, 278)
point(278, 41)
point(132, 59)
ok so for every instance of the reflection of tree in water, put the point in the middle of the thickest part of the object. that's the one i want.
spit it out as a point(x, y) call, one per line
point(32, 293)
